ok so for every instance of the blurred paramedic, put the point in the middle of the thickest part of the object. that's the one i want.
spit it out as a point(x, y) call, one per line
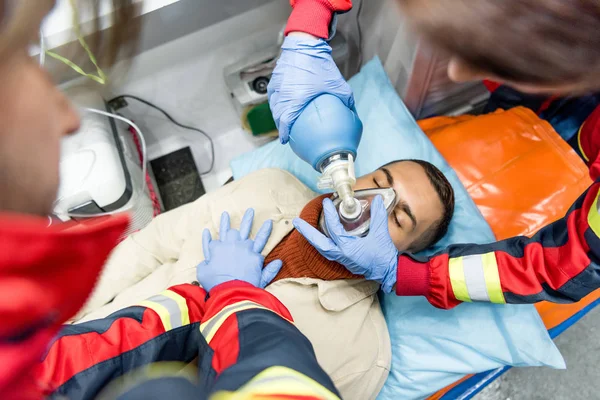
point(538, 46)
point(245, 338)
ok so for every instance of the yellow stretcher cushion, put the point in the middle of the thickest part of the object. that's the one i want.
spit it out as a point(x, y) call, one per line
point(519, 172)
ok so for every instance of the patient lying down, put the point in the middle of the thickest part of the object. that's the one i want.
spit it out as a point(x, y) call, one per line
point(338, 312)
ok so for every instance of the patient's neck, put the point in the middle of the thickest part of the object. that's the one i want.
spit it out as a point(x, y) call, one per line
point(300, 259)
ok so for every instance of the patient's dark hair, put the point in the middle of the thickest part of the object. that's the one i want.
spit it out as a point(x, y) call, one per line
point(445, 192)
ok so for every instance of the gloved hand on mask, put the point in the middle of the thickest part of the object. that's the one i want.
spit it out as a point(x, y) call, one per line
point(304, 71)
point(236, 257)
point(374, 256)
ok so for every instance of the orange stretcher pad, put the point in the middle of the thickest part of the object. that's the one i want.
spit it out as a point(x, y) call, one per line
point(522, 175)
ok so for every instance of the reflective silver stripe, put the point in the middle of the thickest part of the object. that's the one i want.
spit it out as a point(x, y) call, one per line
point(475, 278)
point(172, 307)
point(216, 319)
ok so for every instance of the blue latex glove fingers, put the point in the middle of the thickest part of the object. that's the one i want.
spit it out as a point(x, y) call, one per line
point(262, 237)
point(322, 243)
point(234, 257)
point(225, 224)
point(270, 272)
point(332, 220)
point(246, 225)
point(206, 239)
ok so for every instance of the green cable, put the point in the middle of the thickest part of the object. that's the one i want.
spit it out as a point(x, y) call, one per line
point(101, 77)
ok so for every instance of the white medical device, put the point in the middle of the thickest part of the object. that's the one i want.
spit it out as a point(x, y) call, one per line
point(100, 172)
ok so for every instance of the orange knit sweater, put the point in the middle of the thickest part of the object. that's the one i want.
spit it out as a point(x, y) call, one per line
point(300, 259)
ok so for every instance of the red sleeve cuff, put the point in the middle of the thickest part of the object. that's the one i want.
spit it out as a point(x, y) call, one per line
point(313, 17)
point(230, 284)
point(413, 277)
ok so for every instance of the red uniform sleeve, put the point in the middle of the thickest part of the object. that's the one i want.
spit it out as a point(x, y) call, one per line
point(558, 264)
point(315, 16)
point(84, 358)
point(243, 336)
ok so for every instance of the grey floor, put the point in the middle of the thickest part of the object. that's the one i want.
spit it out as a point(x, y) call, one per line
point(580, 346)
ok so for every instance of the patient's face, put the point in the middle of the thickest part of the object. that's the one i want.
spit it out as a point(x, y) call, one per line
point(419, 206)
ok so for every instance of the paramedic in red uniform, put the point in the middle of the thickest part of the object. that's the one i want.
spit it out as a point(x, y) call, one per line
point(243, 339)
point(536, 46)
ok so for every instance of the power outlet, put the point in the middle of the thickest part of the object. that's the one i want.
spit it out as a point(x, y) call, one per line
point(118, 103)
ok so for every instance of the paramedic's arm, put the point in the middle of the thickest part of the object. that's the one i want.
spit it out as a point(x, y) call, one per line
point(258, 348)
point(558, 264)
point(306, 69)
point(84, 358)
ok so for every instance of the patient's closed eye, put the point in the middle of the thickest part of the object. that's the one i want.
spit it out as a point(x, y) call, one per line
point(396, 220)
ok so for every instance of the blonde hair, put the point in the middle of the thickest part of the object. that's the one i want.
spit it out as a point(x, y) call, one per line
point(21, 20)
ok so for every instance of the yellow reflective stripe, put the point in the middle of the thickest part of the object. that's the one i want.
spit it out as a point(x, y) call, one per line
point(147, 373)
point(457, 279)
point(210, 327)
point(476, 278)
point(279, 381)
point(171, 308)
point(579, 143)
point(162, 312)
point(594, 217)
point(183, 308)
point(492, 278)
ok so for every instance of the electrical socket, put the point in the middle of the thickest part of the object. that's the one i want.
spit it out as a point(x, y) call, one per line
point(118, 103)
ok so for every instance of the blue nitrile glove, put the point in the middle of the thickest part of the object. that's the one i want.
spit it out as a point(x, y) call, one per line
point(235, 256)
point(373, 256)
point(304, 71)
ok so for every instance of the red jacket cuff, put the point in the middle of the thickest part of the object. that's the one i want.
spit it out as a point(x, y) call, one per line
point(230, 284)
point(413, 277)
point(313, 17)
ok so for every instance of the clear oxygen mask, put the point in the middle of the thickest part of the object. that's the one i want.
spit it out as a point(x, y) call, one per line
point(359, 226)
